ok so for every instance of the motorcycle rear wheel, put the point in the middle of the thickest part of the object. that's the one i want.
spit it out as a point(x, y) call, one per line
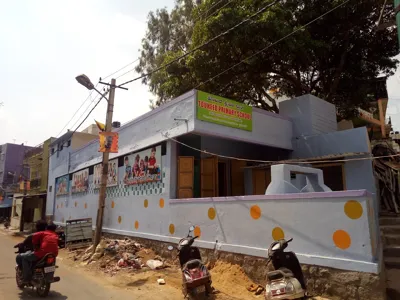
point(43, 290)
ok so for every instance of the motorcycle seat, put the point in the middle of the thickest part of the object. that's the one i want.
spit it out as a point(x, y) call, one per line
point(192, 264)
point(287, 272)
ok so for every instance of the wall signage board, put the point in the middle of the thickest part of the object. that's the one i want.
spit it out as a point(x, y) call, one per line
point(222, 111)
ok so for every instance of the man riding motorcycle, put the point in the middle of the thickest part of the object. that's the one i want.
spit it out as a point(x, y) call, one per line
point(27, 243)
point(42, 242)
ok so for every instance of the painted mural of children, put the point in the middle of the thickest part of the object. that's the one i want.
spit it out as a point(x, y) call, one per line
point(136, 168)
point(142, 168)
point(114, 177)
point(146, 164)
point(86, 180)
point(128, 169)
point(152, 166)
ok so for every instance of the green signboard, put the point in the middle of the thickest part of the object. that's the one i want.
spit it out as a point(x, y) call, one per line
point(222, 111)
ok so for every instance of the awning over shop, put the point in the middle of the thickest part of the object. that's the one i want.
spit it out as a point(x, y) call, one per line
point(316, 159)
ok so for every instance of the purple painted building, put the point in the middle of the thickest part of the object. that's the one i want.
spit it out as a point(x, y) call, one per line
point(11, 164)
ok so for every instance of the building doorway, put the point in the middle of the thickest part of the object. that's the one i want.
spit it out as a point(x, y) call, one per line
point(222, 179)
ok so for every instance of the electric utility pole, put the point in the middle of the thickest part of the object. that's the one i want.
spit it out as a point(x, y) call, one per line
point(104, 173)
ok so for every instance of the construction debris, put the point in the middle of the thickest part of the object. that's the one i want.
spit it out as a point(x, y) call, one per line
point(161, 281)
point(114, 255)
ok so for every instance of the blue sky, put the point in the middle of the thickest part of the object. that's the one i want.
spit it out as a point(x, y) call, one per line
point(45, 44)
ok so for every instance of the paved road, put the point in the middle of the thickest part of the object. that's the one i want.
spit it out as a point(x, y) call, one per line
point(73, 284)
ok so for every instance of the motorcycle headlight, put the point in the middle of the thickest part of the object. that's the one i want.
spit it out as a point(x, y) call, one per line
point(289, 287)
point(267, 292)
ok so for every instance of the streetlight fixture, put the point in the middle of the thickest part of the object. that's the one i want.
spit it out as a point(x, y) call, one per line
point(85, 81)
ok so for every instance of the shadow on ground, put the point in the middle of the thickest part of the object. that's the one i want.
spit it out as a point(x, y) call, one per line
point(30, 294)
point(393, 294)
point(138, 282)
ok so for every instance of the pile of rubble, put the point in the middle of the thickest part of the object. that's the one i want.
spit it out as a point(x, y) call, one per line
point(114, 255)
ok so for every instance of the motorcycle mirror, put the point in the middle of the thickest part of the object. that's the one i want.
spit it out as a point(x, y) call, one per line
point(191, 228)
point(170, 248)
point(289, 240)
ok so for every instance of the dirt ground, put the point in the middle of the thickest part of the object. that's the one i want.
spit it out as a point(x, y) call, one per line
point(229, 280)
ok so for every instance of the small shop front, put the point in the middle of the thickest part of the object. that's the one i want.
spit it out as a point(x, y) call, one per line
point(26, 210)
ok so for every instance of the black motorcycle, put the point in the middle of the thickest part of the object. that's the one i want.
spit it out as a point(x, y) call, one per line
point(43, 273)
point(287, 279)
point(196, 280)
point(61, 237)
point(6, 223)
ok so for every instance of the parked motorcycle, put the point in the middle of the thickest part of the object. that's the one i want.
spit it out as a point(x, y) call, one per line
point(196, 280)
point(6, 223)
point(287, 281)
point(43, 273)
point(61, 237)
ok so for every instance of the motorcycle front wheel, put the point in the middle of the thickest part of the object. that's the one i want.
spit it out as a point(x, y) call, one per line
point(43, 290)
point(19, 279)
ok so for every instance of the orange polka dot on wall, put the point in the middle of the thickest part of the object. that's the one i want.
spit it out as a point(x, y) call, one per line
point(197, 231)
point(112, 204)
point(171, 228)
point(211, 213)
point(341, 239)
point(162, 203)
point(146, 203)
point(353, 209)
point(76, 204)
point(278, 234)
point(255, 212)
point(136, 225)
point(85, 205)
point(119, 219)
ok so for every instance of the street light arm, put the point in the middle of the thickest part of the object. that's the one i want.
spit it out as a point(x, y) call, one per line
point(103, 95)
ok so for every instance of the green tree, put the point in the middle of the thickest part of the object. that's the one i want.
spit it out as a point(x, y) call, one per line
point(335, 58)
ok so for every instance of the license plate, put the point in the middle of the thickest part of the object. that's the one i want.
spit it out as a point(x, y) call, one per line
point(200, 289)
point(51, 269)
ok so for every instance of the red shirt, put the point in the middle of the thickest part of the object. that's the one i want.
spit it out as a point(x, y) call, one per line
point(47, 242)
point(152, 161)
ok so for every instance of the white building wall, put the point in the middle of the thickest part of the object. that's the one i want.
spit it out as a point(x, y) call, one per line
point(240, 224)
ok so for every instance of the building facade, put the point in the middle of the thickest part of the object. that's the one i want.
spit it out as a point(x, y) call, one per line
point(11, 165)
point(206, 161)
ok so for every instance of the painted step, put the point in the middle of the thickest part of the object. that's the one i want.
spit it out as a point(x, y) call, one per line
point(390, 229)
point(392, 262)
point(383, 221)
point(391, 251)
point(391, 240)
